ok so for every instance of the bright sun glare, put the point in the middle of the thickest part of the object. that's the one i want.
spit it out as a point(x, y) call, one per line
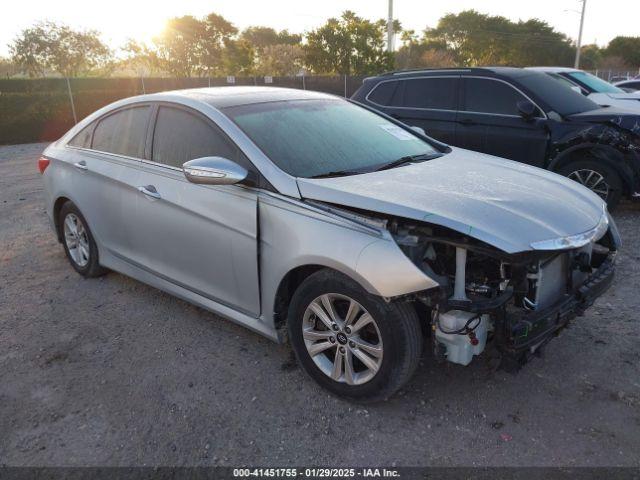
point(136, 27)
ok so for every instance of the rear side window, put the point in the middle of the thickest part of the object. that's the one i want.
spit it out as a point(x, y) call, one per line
point(82, 138)
point(434, 93)
point(385, 93)
point(180, 136)
point(123, 132)
point(490, 96)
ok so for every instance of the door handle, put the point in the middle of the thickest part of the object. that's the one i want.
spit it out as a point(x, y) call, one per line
point(81, 165)
point(149, 191)
point(466, 121)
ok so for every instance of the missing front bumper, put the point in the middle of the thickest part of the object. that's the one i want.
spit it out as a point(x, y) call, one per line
point(524, 334)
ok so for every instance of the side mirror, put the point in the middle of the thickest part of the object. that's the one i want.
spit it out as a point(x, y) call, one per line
point(213, 171)
point(419, 130)
point(576, 88)
point(527, 109)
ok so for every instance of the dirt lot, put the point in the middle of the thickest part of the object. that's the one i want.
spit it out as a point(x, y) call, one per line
point(111, 372)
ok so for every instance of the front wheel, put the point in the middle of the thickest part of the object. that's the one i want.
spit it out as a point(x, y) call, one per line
point(351, 342)
point(597, 177)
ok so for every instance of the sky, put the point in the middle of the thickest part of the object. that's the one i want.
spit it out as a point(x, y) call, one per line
point(141, 20)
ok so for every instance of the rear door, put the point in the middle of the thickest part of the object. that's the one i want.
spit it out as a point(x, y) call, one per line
point(104, 160)
point(426, 102)
point(200, 237)
point(489, 122)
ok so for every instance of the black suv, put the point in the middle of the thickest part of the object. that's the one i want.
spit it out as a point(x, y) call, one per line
point(519, 114)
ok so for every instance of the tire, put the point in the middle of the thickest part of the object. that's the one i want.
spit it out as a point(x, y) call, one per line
point(392, 340)
point(579, 171)
point(84, 256)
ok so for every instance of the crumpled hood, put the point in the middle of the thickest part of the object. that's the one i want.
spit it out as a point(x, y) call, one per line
point(622, 117)
point(506, 204)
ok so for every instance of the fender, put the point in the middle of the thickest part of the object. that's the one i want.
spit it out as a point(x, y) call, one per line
point(605, 153)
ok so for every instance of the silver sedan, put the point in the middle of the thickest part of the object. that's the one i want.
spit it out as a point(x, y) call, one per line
point(305, 216)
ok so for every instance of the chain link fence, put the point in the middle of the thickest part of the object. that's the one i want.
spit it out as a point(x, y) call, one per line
point(43, 109)
point(615, 75)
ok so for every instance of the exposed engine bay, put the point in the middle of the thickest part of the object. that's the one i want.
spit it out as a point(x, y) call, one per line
point(514, 301)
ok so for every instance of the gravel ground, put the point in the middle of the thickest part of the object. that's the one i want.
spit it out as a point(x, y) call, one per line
point(112, 372)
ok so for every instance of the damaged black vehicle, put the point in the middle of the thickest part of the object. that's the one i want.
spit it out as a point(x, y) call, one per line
point(521, 115)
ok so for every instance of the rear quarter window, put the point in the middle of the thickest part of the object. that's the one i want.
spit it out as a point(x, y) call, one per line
point(83, 138)
point(385, 93)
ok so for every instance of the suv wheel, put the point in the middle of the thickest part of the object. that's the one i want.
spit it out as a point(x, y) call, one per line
point(600, 179)
point(353, 343)
point(79, 245)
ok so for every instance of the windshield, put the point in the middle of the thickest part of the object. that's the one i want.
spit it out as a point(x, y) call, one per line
point(557, 96)
point(594, 83)
point(310, 138)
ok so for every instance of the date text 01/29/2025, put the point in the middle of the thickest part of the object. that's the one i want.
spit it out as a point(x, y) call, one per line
point(315, 472)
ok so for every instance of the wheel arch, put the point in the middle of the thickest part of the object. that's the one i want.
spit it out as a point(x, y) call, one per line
point(604, 153)
point(57, 207)
point(287, 287)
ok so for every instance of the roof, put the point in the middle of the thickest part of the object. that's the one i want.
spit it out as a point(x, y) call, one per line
point(220, 97)
point(553, 69)
point(504, 71)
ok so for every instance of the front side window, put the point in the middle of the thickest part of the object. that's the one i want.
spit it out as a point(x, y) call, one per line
point(180, 136)
point(490, 96)
point(432, 93)
point(123, 132)
point(308, 138)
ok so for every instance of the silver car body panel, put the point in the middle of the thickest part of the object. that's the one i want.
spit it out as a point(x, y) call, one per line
point(227, 248)
point(506, 204)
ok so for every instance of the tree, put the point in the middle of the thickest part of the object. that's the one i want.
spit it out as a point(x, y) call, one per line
point(178, 49)
point(217, 33)
point(50, 47)
point(261, 37)
point(422, 53)
point(478, 39)
point(7, 67)
point(280, 60)
point(348, 45)
point(239, 57)
point(626, 48)
point(590, 57)
point(191, 46)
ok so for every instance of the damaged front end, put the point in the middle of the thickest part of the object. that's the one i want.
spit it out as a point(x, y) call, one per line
point(515, 302)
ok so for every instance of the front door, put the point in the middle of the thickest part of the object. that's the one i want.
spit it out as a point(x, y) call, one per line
point(202, 238)
point(489, 122)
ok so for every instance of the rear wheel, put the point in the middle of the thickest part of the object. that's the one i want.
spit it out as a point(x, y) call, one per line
point(79, 245)
point(353, 343)
point(597, 177)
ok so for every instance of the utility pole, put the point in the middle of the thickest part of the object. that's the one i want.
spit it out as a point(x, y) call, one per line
point(390, 28)
point(584, 7)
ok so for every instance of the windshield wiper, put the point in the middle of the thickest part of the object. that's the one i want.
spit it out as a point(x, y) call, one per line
point(408, 159)
point(338, 173)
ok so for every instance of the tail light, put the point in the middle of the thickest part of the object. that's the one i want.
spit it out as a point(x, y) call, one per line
point(43, 163)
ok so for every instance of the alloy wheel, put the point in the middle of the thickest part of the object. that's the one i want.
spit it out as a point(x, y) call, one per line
point(76, 239)
point(593, 180)
point(342, 339)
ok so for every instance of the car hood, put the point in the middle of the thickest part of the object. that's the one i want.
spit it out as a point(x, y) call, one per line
point(628, 101)
point(624, 118)
point(506, 204)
